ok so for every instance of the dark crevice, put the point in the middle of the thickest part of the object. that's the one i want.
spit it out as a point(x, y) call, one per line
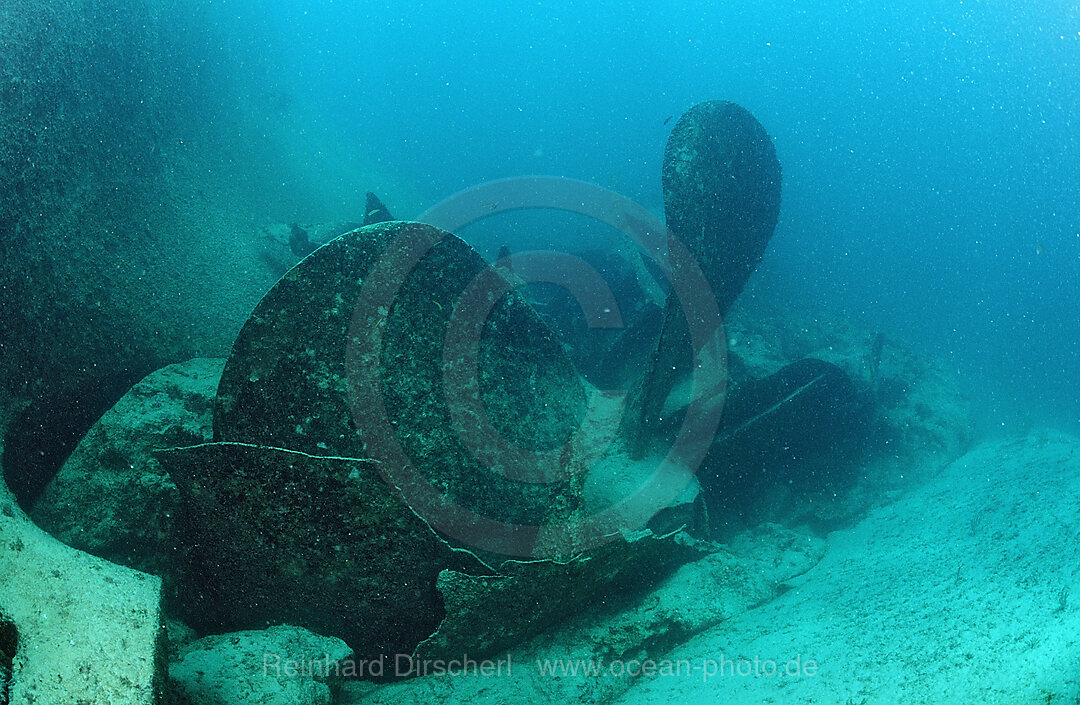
point(40, 438)
point(8, 643)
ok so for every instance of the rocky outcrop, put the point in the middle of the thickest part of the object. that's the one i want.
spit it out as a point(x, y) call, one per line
point(111, 497)
point(82, 629)
point(280, 665)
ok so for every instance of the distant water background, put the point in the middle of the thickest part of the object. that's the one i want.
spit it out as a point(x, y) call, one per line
point(930, 149)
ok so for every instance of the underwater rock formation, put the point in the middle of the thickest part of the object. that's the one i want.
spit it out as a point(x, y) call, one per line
point(80, 626)
point(111, 498)
point(275, 666)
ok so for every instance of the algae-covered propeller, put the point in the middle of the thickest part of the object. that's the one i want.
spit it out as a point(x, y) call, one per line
point(389, 385)
point(392, 402)
point(721, 182)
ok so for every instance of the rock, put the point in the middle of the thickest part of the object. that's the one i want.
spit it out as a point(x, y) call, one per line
point(177, 636)
point(83, 630)
point(281, 665)
point(111, 498)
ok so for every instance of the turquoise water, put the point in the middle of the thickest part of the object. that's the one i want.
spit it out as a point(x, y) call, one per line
point(929, 149)
point(166, 162)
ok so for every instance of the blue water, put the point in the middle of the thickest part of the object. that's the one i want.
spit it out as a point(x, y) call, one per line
point(930, 150)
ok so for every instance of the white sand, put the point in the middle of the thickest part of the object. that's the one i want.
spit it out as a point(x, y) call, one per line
point(951, 595)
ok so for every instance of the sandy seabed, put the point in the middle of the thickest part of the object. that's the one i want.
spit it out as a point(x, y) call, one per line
point(964, 591)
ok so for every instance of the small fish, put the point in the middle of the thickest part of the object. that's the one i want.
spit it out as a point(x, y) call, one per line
point(376, 211)
point(1039, 249)
point(668, 119)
